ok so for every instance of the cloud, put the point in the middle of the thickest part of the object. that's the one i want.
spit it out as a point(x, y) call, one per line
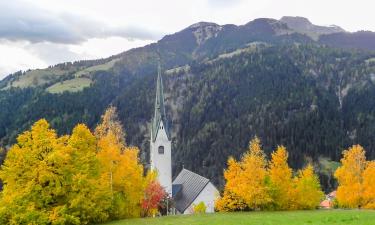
point(223, 3)
point(21, 21)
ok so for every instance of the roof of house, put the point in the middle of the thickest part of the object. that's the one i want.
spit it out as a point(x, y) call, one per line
point(159, 109)
point(186, 188)
point(326, 204)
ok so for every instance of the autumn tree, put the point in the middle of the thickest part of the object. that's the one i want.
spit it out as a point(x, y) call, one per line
point(87, 198)
point(154, 193)
point(199, 208)
point(48, 179)
point(121, 170)
point(349, 177)
point(253, 177)
point(308, 193)
point(230, 200)
point(33, 181)
point(281, 181)
point(369, 186)
point(111, 124)
point(251, 173)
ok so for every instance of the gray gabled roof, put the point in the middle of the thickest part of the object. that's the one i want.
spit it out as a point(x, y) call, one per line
point(186, 188)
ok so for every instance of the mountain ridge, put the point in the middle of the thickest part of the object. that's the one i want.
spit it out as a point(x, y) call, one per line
point(223, 85)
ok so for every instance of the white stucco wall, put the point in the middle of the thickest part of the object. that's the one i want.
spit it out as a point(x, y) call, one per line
point(208, 196)
point(162, 163)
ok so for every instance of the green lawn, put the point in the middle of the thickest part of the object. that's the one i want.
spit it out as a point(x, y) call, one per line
point(320, 217)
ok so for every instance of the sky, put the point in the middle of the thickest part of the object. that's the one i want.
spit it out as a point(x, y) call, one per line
point(38, 33)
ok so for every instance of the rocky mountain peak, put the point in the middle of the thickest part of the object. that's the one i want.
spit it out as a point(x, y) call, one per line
point(304, 26)
point(204, 31)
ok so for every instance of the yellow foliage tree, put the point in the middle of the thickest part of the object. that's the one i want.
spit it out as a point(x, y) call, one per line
point(111, 124)
point(369, 186)
point(349, 177)
point(253, 188)
point(251, 173)
point(51, 180)
point(230, 202)
point(199, 208)
point(121, 170)
point(308, 193)
point(281, 181)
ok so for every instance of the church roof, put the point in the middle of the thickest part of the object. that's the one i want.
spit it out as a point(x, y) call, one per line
point(159, 110)
point(186, 188)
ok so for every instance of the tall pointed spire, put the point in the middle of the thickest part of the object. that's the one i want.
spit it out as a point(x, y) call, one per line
point(159, 110)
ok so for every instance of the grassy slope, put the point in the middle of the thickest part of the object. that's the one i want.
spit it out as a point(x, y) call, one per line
point(318, 217)
point(73, 85)
point(37, 77)
point(101, 67)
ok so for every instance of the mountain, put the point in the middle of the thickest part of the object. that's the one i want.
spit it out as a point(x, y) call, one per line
point(303, 25)
point(224, 84)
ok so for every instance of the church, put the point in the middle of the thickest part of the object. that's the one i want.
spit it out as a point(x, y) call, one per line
point(188, 188)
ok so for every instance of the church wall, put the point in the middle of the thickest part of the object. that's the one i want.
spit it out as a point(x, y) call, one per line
point(162, 162)
point(208, 196)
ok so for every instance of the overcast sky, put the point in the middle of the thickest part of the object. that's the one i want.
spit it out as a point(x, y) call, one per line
point(38, 33)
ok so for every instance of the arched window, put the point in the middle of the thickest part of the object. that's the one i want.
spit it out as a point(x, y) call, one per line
point(161, 149)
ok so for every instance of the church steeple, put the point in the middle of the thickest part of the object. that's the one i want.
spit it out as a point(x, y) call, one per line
point(160, 144)
point(159, 109)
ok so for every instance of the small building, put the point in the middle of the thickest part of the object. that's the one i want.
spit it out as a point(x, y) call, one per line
point(188, 188)
point(328, 202)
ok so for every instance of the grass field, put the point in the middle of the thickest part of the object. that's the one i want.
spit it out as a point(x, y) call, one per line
point(318, 217)
point(73, 85)
point(100, 67)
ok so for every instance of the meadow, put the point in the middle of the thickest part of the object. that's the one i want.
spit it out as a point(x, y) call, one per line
point(316, 217)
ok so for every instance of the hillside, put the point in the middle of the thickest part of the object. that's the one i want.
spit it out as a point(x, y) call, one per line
point(224, 84)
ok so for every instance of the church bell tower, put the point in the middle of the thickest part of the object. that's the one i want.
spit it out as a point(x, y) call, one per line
point(160, 144)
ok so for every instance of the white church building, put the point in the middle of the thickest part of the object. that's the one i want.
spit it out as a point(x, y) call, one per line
point(188, 188)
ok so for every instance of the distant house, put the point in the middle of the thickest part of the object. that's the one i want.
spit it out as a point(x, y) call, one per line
point(328, 202)
point(188, 188)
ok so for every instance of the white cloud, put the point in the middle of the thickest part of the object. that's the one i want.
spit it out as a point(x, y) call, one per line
point(14, 58)
point(21, 20)
point(44, 32)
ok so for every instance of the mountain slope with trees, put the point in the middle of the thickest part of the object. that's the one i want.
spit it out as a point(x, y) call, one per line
point(224, 84)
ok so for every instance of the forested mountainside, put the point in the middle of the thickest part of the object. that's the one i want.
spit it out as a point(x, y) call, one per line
point(224, 84)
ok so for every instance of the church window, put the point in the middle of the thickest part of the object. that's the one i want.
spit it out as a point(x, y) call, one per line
point(161, 149)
